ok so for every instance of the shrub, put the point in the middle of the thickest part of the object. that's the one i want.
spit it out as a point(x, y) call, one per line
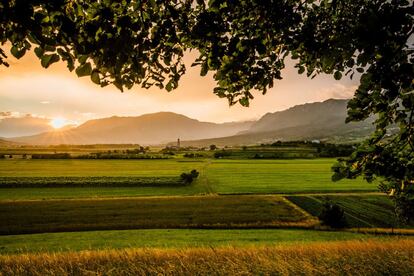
point(332, 215)
point(221, 154)
point(188, 178)
point(213, 147)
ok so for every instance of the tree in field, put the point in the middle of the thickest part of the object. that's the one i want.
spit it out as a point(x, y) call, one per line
point(245, 43)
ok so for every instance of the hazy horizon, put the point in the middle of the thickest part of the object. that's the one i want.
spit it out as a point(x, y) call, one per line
point(57, 94)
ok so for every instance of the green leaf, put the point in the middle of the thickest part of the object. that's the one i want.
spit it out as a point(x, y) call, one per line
point(82, 59)
point(84, 70)
point(95, 77)
point(244, 101)
point(17, 53)
point(338, 75)
point(118, 84)
point(47, 60)
point(169, 86)
point(39, 52)
point(204, 69)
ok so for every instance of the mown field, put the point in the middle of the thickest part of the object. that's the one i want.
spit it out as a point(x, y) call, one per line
point(74, 167)
point(338, 258)
point(279, 176)
point(216, 177)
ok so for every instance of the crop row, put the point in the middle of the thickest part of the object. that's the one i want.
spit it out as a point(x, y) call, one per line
point(91, 181)
point(360, 211)
point(146, 213)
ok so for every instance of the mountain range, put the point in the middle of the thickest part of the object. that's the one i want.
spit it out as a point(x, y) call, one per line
point(156, 128)
point(311, 121)
point(321, 120)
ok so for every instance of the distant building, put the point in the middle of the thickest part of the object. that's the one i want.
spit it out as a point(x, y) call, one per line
point(178, 143)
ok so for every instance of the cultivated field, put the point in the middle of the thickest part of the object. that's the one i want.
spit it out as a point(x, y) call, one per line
point(259, 215)
point(279, 176)
point(217, 177)
point(360, 211)
point(144, 213)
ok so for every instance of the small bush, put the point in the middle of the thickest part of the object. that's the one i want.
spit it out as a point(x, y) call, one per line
point(188, 178)
point(332, 215)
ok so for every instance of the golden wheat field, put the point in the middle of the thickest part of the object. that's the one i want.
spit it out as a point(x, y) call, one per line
point(328, 258)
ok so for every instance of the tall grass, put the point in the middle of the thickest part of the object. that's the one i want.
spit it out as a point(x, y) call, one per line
point(336, 258)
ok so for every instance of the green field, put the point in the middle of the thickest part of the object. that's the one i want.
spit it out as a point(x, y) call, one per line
point(74, 167)
point(71, 205)
point(167, 212)
point(216, 176)
point(170, 238)
point(279, 176)
point(360, 210)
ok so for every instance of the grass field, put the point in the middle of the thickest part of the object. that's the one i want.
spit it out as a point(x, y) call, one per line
point(170, 238)
point(73, 167)
point(360, 210)
point(168, 212)
point(220, 224)
point(217, 176)
point(341, 258)
point(279, 176)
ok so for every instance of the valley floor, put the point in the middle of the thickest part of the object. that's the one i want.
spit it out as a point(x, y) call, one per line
point(257, 216)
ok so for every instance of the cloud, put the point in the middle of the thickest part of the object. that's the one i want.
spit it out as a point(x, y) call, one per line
point(5, 114)
point(45, 102)
point(23, 126)
point(338, 91)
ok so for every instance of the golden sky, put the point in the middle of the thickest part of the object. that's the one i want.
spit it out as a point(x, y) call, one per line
point(27, 88)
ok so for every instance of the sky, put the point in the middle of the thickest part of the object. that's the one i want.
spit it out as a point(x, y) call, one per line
point(55, 93)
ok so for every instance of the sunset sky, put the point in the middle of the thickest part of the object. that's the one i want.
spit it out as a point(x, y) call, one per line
point(56, 93)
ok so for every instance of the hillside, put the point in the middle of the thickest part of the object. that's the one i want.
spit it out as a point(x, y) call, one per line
point(153, 128)
point(4, 142)
point(321, 120)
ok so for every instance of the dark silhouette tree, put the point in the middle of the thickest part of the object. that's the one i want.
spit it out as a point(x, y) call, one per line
point(245, 44)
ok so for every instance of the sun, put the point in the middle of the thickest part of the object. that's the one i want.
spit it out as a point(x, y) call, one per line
point(58, 122)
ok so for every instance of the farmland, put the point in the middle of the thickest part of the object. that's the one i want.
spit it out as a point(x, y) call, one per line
point(360, 211)
point(170, 212)
point(278, 176)
point(236, 202)
point(217, 177)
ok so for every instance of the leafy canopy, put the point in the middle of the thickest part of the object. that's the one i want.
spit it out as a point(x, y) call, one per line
point(244, 43)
